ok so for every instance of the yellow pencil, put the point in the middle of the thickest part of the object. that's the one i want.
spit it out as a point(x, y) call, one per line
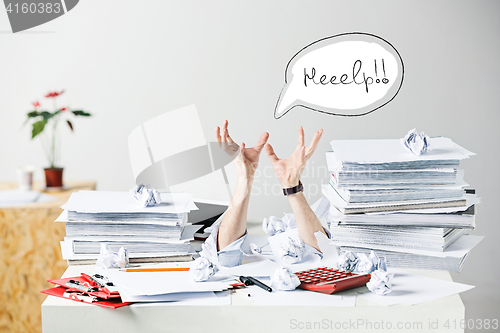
point(171, 269)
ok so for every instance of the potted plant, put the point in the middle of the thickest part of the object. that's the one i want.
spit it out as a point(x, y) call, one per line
point(50, 141)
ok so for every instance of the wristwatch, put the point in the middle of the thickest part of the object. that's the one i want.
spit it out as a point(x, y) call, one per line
point(293, 190)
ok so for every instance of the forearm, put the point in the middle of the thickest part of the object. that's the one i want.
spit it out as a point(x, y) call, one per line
point(307, 222)
point(233, 225)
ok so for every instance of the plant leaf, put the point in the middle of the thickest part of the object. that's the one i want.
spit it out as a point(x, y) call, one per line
point(81, 113)
point(33, 114)
point(46, 115)
point(38, 127)
point(69, 124)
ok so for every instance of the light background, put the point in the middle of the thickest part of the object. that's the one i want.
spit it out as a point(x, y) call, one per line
point(129, 61)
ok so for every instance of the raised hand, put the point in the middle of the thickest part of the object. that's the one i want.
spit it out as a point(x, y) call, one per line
point(289, 170)
point(233, 225)
point(246, 159)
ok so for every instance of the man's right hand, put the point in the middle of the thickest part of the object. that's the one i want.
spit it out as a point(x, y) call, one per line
point(247, 159)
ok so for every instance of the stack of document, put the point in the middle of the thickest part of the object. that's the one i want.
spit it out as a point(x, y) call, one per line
point(385, 198)
point(451, 259)
point(422, 238)
point(370, 176)
point(150, 234)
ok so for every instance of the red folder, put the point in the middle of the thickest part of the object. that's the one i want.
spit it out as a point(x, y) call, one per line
point(101, 293)
point(66, 293)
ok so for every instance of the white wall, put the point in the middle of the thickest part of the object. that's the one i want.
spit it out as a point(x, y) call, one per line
point(128, 61)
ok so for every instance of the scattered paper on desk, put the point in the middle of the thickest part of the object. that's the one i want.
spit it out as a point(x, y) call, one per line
point(9, 198)
point(380, 282)
point(418, 144)
point(145, 196)
point(157, 283)
point(202, 269)
point(284, 279)
point(109, 259)
point(218, 298)
point(409, 288)
point(273, 225)
point(173, 297)
point(321, 208)
point(292, 250)
point(297, 297)
point(347, 261)
point(258, 269)
point(329, 250)
point(369, 263)
point(365, 264)
point(289, 220)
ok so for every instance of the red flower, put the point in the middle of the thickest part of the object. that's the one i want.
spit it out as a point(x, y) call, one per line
point(36, 104)
point(63, 109)
point(54, 94)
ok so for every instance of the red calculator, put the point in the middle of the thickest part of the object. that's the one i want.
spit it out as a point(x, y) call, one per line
point(328, 280)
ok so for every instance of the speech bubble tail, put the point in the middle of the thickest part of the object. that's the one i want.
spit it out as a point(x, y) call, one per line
point(284, 104)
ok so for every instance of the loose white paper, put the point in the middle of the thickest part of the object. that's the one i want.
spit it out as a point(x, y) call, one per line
point(409, 288)
point(117, 201)
point(157, 283)
point(297, 297)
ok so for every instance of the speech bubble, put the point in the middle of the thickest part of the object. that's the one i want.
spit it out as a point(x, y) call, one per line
point(350, 74)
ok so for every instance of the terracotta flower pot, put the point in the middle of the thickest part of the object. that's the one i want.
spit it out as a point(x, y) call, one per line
point(53, 177)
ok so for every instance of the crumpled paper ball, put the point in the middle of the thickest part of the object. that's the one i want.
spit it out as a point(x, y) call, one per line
point(284, 279)
point(347, 261)
point(380, 282)
point(289, 221)
point(418, 144)
point(273, 225)
point(360, 263)
point(292, 251)
point(203, 269)
point(108, 258)
point(145, 196)
point(382, 264)
point(365, 264)
point(259, 249)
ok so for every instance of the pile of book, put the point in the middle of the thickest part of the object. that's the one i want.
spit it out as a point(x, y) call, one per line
point(150, 234)
point(414, 210)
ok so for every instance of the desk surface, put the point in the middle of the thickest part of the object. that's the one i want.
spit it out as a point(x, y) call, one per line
point(61, 196)
point(29, 254)
point(60, 315)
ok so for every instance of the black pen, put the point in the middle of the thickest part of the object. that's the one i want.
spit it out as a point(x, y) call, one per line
point(248, 281)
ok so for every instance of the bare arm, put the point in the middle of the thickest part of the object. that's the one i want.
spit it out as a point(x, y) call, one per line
point(307, 222)
point(234, 223)
point(288, 172)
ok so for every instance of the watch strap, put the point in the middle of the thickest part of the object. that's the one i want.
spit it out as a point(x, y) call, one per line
point(293, 190)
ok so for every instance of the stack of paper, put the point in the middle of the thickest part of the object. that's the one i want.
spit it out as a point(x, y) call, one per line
point(382, 195)
point(150, 234)
point(451, 259)
point(382, 175)
point(462, 219)
point(423, 238)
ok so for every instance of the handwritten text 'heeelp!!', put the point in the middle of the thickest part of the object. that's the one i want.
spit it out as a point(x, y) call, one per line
point(350, 74)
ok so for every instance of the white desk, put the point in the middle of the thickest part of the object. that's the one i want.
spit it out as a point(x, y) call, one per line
point(60, 315)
